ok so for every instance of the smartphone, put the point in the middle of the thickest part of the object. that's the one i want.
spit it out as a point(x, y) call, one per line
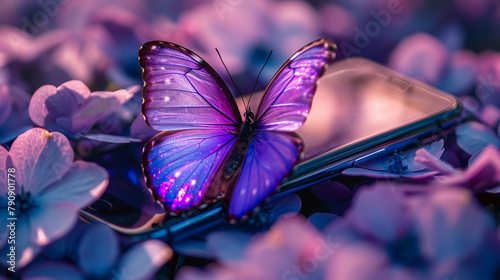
point(361, 110)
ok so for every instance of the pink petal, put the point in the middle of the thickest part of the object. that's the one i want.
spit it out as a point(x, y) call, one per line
point(358, 261)
point(484, 173)
point(435, 149)
point(52, 270)
point(98, 249)
point(24, 48)
point(41, 158)
point(420, 56)
point(83, 184)
point(431, 162)
point(143, 260)
point(99, 105)
point(50, 222)
point(380, 212)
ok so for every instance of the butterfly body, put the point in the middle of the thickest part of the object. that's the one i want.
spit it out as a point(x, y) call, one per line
point(206, 152)
point(237, 154)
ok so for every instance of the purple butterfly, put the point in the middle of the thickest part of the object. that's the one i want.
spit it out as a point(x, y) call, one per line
point(206, 152)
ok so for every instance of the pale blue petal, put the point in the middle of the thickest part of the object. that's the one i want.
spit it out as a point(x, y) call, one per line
point(41, 158)
point(143, 260)
point(98, 249)
point(52, 271)
point(474, 136)
point(84, 183)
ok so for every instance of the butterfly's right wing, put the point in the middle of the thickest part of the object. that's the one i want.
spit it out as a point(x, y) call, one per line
point(181, 91)
point(180, 165)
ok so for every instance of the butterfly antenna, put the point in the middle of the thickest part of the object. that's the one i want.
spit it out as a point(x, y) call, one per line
point(242, 99)
point(254, 85)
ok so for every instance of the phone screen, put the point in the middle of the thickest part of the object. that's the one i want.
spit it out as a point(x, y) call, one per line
point(353, 104)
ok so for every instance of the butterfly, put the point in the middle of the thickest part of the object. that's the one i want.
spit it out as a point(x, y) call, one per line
point(206, 152)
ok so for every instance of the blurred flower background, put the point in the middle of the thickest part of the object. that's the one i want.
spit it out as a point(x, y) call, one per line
point(70, 67)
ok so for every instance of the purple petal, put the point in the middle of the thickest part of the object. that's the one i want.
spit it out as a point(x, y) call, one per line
point(50, 222)
point(84, 183)
point(143, 260)
point(53, 271)
point(490, 115)
point(110, 138)
point(24, 48)
point(98, 249)
point(420, 56)
point(97, 106)
point(474, 136)
point(49, 104)
point(140, 129)
point(41, 158)
point(450, 224)
point(379, 212)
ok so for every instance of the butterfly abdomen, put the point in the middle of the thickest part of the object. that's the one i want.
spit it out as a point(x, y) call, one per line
point(237, 154)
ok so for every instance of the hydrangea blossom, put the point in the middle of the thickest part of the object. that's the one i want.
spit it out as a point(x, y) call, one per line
point(96, 251)
point(71, 107)
point(49, 189)
point(287, 250)
point(431, 235)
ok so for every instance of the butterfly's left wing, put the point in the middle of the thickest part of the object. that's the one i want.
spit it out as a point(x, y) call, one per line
point(274, 149)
